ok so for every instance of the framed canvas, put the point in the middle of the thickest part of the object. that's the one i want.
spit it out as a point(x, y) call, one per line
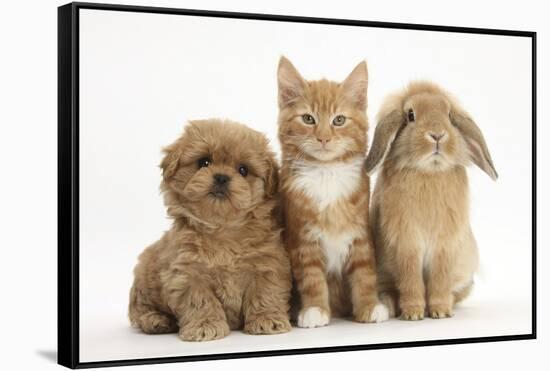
point(131, 79)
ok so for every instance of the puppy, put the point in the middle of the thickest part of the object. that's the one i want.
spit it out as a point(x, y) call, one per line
point(222, 265)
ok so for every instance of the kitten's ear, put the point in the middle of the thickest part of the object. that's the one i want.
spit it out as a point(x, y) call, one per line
point(355, 86)
point(291, 84)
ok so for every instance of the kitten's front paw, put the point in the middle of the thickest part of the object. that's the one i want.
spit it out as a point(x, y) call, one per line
point(440, 311)
point(372, 313)
point(313, 317)
point(204, 330)
point(389, 301)
point(412, 313)
point(268, 324)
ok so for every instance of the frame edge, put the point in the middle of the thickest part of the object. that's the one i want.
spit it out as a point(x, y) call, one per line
point(67, 257)
point(534, 180)
point(68, 316)
point(300, 19)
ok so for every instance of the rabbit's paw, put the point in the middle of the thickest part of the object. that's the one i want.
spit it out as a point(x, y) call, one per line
point(412, 313)
point(440, 311)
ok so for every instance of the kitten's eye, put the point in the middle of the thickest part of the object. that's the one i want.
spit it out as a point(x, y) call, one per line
point(243, 170)
point(339, 120)
point(308, 119)
point(203, 162)
point(410, 115)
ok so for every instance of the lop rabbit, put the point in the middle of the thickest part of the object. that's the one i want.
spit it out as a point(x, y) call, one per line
point(425, 250)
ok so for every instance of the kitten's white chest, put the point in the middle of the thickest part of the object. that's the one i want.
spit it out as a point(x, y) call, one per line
point(336, 250)
point(327, 183)
point(335, 246)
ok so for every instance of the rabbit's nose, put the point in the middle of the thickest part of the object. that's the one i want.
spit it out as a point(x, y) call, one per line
point(437, 136)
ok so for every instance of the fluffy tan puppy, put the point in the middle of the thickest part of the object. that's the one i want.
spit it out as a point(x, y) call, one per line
point(221, 266)
point(426, 252)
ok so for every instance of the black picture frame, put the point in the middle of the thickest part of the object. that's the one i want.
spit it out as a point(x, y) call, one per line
point(68, 182)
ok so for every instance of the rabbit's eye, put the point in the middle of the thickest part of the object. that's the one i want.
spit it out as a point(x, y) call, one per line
point(410, 115)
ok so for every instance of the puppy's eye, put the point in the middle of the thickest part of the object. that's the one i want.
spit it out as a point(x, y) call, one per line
point(243, 170)
point(308, 119)
point(203, 162)
point(410, 115)
point(339, 120)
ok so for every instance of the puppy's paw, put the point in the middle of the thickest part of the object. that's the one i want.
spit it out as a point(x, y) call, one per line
point(440, 311)
point(412, 313)
point(268, 324)
point(204, 330)
point(313, 317)
point(157, 323)
point(372, 313)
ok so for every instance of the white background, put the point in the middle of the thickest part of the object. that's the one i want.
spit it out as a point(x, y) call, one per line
point(29, 159)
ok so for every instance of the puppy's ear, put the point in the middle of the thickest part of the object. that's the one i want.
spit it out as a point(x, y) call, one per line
point(479, 152)
point(271, 180)
point(384, 135)
point(290, 82)
point(170, 162)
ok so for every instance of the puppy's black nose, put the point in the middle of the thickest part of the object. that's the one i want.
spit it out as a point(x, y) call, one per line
point(221, 179)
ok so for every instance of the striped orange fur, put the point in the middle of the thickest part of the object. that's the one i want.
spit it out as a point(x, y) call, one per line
point(325, 196)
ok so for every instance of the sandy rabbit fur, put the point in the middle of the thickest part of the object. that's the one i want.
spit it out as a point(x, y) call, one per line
point(426, 252)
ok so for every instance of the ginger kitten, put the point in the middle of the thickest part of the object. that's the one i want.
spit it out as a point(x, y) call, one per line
point(325, 196)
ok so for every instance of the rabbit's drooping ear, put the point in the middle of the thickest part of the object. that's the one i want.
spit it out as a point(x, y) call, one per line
point(384, 135)
point(476, 143)
point(290, 82)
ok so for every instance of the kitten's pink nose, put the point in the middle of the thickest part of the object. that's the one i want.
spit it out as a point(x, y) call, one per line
point(323, 141)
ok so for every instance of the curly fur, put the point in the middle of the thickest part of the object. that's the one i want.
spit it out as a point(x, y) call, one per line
point(222, 265)
point(425, 248)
